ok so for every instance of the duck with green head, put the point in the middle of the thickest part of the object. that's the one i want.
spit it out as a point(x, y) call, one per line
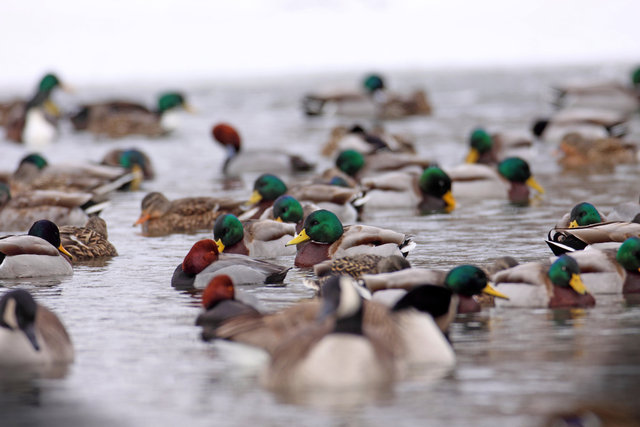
point(35, 122)
point(581, 214)
point(537, 285)
point(239, 161)
point(117, 119)
point(288, 209)
point(39, 253)
point(357, 166)
point(261, 238)
point(132, 159)
point(323, 237)
point(483, 150)
point(517, 172)
point(266, 189)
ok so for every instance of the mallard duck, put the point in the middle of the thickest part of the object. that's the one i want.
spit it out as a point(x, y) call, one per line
point(357, 138)
point(288, 209)
point(132, 160)
point(564, 240)
point(160, 216)
point(466, 282)
point(31, 334)
point(35, 173)
point(329, 239)
point(119, 119)
point(36, 254)
point(489, 149)
point(34, 122)
point(261, 238)
point(374, 101)
point(581, 214)
point(513, 177)
point(346, 203)
point(589, 123)
point(88, 242)
point(429, 191)
point(240, 161)
point(357, 265)
point(356, 165)
point(536, 285)
point(580, 153)
point(18, 212)
point(266, 189)
point(204, 261)
point(606, 270)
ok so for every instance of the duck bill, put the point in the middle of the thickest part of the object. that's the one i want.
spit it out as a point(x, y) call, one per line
point(30, 332)
point(573, 224)
point(449, 200)
point(189, 108)
point(473, 156)
point(64, 251)
point(490, 290)
point(299, 238)
point(220, 245)
point(576, 283)
point(279, 219)
point(531, 182)
point(67, 88)
point(138, 176)
point(255, 198)
point(143, 218)
point(51, 108)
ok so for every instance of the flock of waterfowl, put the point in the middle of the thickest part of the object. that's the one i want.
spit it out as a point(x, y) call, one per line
point(376, 317)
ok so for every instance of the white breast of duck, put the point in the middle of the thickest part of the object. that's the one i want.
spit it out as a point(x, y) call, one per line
point(42, 259)
point(522, 293)
point(38, 130)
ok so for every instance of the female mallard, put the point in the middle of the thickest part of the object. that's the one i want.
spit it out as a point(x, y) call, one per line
point(35, 173)
point(36, 254)
point(580, 153)
point(204, 261)
point(329, 239)
point(564, 240)
point(240, 161)
point(30, 334)
point(133, 160)
point(19, 211)
point(262, 238)
point(34, 123)
point(429, 191)
point(357, 138)
point(161, 217)
point(89, 242)
point(512, 177)
point(120, 119)
point(536, 285)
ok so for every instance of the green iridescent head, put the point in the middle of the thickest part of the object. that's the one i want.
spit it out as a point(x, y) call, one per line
point(48, 83)
point(323, 226)
point(514, 169)
point(481, 140)
point(584, 214)
point(466, 280)
point(269, 187)
point(287, 209)
point(373, 82)
point(227, 231)
point(5, 194)
point(35, 159)
point(434, 182)
point(350, 162)
point(169, 101)
point(628, 255)
point(128, 158)
point(635, 77)
point(565, 273)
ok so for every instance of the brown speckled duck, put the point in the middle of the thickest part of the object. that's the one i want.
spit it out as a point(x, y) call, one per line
point(160, 216)
point(89, 242)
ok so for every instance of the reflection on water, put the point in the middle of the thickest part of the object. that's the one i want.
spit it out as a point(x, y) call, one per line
point(139, 358)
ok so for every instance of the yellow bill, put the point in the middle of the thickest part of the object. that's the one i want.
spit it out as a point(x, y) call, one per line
point(64, 251)
point(449, 200)
point(279, 219)
point(573, 224)
point(189, 108)
point(490, 290)
point(577, 285)
point(51, 108)
point(220, 245)
point(255, 198)
point(531, 182)
point(138, 176)
point(473, 156)
point(299, 238)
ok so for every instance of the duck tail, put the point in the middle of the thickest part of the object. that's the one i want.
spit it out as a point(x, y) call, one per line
point(407, 246)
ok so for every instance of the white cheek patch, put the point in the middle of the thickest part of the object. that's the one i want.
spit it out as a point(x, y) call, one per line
point(9, 315)
point(350, 300)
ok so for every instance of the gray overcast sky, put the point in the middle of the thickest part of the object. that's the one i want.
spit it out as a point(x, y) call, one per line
point(107, 41)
